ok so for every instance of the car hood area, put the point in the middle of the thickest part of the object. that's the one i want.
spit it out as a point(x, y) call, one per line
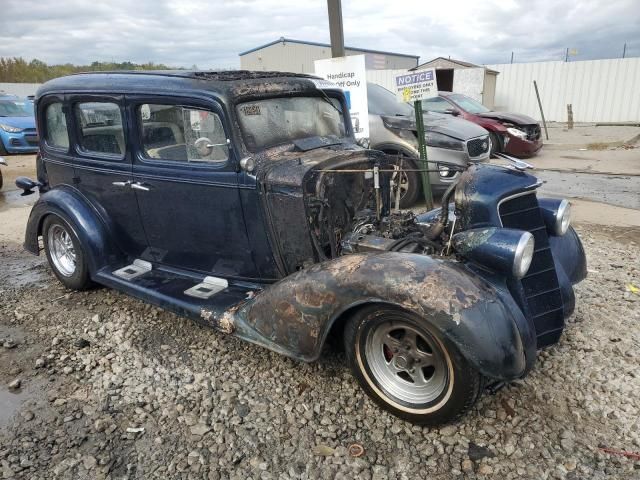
point(444, 124)
point(508, 117)
point(18, 122)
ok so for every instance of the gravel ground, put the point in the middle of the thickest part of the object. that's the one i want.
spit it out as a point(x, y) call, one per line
point(113, 388)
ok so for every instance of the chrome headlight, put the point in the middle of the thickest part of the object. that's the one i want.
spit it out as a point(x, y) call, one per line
point(439, 140)
point(506, 250)
point(517, 133)
point(10, 129)
point(556, 214)
point(524, 255)
point(563, 218)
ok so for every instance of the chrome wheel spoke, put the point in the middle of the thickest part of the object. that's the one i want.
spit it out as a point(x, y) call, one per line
point(407, 362)
point(62, 251)
point(417, 375)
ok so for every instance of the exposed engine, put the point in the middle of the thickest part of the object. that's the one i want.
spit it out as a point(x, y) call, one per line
point(351, 213)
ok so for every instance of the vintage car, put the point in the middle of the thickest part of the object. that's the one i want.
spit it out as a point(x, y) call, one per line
point(241, 199)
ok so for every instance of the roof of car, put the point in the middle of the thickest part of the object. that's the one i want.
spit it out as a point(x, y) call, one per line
point(232, 84)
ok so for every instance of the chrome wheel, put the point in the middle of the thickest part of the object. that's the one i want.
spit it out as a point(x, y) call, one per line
point(407, 362)
point(404, 183)
point(62, 251)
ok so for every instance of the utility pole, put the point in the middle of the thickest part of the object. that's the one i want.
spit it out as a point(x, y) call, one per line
point(511, 57)
point(566, 55)
point(624, 49)
point(335, 28)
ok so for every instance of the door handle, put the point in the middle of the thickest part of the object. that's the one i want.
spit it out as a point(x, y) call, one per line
point(121, 184)
point(140, 186)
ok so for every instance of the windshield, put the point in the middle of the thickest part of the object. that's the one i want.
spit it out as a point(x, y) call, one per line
point(468, 104)
point(275, 121)
point(9, 108)
point(383, 102)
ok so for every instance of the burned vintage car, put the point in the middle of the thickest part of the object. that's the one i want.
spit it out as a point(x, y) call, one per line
point(241, 199)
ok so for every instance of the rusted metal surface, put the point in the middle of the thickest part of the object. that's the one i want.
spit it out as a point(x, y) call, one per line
point(297, 313)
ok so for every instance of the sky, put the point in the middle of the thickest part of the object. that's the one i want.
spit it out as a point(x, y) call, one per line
point(211, 33)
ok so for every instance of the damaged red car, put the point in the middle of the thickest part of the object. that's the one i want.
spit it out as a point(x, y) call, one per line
point(512, 133)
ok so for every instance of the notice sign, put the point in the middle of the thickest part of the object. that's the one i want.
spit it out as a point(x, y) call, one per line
point(349, 74)
point(419, 85)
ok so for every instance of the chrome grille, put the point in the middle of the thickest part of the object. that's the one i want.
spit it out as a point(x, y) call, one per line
point(478, 146)
point(540, 285)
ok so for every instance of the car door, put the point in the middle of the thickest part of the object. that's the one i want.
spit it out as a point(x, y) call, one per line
point(186, 182)
point(102, 168)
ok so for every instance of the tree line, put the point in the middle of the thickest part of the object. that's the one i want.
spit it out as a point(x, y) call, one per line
point(18, 70)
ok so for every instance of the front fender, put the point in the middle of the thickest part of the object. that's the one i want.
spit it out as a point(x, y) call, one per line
point(296, 313)
point(69, 204)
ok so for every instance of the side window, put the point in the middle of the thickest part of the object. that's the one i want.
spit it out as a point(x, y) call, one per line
point(437, 104)
point(181, 134)
point(56, 126)
point(101, 128)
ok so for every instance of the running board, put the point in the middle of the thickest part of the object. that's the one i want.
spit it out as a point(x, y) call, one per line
point(137, 268)
point(208, 288)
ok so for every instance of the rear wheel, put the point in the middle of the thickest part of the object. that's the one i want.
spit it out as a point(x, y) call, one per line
point(64, 252)
point(3, 151)
point(408, 367)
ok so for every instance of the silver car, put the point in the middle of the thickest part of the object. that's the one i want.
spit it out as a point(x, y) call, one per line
point(450, 141)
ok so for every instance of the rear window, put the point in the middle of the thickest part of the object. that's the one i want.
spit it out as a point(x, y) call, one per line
point(56, 126)
point(101, 128)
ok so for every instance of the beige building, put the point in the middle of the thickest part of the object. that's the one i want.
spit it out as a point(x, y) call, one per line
point(297, 56)
point(477, 81)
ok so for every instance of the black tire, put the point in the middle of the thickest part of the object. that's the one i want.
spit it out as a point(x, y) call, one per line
point(79, 278)
point(496, 146)
point(459, 392)
point(1, 181)
point(3, 150)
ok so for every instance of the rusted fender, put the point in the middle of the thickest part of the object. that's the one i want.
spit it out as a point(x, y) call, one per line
point(294, 315)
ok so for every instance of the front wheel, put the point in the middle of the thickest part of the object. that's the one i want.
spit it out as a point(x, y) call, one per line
point(64, 252)
point(408, 367)
point(409, 184)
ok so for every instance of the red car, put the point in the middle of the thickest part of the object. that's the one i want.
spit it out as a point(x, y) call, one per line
point(510, 133)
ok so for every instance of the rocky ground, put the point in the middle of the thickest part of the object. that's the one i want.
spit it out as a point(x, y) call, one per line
point(112, 388)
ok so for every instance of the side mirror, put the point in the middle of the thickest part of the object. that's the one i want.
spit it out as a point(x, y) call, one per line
point(452, 111)
point(27, 185)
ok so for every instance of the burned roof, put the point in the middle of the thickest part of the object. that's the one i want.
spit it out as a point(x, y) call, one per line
point(229, 84)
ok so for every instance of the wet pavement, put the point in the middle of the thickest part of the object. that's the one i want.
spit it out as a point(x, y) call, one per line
point(619, 190)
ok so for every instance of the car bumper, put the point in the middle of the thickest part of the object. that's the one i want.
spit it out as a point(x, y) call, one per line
point(521, 147)
point(19, 142)
point(442, 158)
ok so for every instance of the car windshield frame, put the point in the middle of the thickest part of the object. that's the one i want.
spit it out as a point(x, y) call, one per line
point(333, 100)
point(464, 102)
point(390, 106)
point(19, 112)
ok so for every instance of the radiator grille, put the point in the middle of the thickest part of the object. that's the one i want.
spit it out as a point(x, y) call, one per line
point(540, 285)
point(478, 146)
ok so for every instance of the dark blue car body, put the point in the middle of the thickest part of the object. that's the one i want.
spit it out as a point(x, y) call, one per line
point(254, 228)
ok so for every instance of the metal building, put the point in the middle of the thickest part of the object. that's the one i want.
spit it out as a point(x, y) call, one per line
point(297, 56)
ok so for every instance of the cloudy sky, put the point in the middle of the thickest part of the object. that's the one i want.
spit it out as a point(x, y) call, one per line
point(211, 33)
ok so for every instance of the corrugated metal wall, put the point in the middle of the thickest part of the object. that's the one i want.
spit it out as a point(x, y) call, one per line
point(599, 90)
point(299, 58)
point(19, 89)
point(385, 78)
